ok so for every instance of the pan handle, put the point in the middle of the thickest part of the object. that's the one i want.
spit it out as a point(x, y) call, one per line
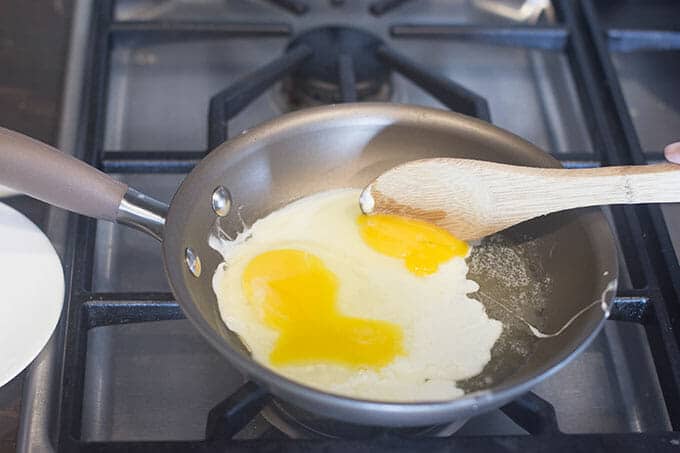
point(41, 171)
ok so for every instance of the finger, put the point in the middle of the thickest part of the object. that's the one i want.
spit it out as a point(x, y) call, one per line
point(672, 152)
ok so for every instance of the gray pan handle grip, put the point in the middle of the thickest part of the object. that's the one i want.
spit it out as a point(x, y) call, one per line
point(38, 170)
point(41, 171)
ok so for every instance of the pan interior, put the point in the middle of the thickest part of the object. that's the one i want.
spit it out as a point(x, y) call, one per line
point(541, 272)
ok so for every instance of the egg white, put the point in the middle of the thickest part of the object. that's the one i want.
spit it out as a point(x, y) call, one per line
point(447, 335)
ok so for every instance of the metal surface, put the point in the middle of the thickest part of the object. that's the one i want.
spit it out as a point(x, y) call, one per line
point(142, 213)
point(170, 400)
point(300, 424)
point(294, 6)
point(376, 137)
point(182, 378)
point(380, 7)
point(221, 201)
point(348, 145)
point(144, 71)
point(124, 259)
point(379, 136)
point(322, 76)
point(558, 97)
point(40, 399)
point(193, 262)
point(229, 102)
point(453, 95)
point(649, 88)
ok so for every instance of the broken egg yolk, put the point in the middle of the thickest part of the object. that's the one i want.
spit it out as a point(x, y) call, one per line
point(295, 294)
point(422, 245)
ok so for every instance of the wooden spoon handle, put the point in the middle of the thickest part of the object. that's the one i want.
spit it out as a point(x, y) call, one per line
point(521, 193)
point(475, 198)
point(658, 183)
point(559, 189)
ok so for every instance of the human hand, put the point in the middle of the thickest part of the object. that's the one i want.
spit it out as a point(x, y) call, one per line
point(672, 152)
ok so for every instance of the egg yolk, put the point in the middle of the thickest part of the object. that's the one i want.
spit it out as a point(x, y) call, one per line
point(296, 295)
point(422, 245)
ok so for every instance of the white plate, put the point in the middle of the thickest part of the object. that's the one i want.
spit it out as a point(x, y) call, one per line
point(31, 292)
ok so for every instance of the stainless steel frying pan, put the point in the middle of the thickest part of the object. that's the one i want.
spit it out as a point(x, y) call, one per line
point(541, 273)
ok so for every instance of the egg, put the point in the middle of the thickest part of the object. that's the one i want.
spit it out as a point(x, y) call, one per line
point(372, 307)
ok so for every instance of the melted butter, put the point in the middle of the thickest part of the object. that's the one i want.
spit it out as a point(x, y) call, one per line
point(423, 246)
point(296, 295)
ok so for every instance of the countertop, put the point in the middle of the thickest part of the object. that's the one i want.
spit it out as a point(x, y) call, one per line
point(33, 47)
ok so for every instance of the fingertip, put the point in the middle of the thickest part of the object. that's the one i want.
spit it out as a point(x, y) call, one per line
point(672, 152)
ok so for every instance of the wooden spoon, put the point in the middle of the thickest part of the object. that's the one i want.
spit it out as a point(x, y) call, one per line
point(473, 199)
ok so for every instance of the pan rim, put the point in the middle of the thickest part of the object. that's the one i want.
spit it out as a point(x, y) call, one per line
point(412, 413)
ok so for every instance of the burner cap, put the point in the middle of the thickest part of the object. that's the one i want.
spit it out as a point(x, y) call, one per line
point(317, 80)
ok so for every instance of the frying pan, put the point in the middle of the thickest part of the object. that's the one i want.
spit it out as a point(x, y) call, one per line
point(556, 273)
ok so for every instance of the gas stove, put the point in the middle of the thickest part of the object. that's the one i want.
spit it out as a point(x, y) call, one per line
point(153, 85)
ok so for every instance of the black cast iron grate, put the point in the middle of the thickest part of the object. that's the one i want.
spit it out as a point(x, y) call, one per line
point(377, 8)
point(644, 239)
point(310, 56)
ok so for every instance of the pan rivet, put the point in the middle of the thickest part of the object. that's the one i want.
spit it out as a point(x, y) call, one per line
point(221, 201)
point(193, 262)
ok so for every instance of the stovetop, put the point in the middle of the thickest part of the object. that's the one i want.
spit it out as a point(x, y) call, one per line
point(154, 84)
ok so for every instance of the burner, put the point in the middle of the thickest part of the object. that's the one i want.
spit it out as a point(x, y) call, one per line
point(341, 55)
point(335, 64)
point(300, 424)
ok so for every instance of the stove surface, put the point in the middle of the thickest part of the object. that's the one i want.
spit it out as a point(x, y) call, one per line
point(569, 77)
